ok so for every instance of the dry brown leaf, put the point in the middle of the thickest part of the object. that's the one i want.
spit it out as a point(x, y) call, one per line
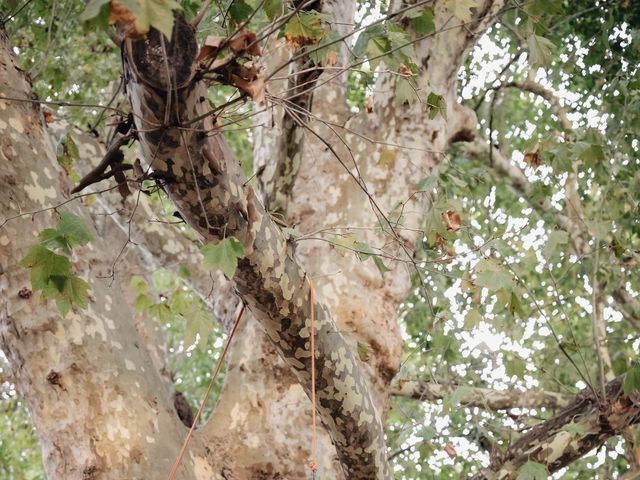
point(404, 70)
point(331, 58)
point(368, 104)
point(452, 220)
point(48, 117)
point(210, 48)
point(533, 159)
point(245, 41)
point(255, 87)
point(440, 241)
point(450, 450)
point(126, 19)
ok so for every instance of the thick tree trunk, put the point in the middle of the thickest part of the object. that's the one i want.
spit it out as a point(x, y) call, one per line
point(99, 405)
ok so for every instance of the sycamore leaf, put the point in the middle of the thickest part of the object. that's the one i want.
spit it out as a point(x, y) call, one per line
point(73, 229)
point(555, 239)
point(304, 28)
point(92, 9)
point(69, 232)
point(273, 9)
point(461, 9)
point(51, 274)
point(45, 264)
point(632, 379)
point(575, 429)
point(427, 183)
point(239, 10)
point(139, 284)
point(492, 276)
point(540, 49)
point(382, 268)
point(422, 21)
point(161, 312)
point(436, 105)
point(75, 292)
point(224, 255)
point(532, 471)
point(472, 319)
point(149, 13)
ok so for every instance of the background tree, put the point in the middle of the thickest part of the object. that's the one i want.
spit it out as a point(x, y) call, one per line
point(477, 204)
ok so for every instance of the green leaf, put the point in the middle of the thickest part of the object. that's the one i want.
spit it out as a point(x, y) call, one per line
point(532, 471)
point(632, 379)
point(492, 276)
point(139, 284)
point(51, 274)
point(461, 9)
point(92, 9)
point(153, 13)
point(555, 239)
point(436, 105)
point(382, 268)
point(161, 312)
point(540, 50)
point(305, 28)
point(239, 10)
point(224, 255)
point(45, 264)
point(363, 250)
point(427, 183)
point(75, 292)
point(73, 229)
point(422, 21)
point(472, 319)
point(515, 307)
point(143, 302)
point(575, 429)
point(273, 9)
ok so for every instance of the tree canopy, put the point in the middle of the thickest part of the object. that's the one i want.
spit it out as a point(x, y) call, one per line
point(524, 276)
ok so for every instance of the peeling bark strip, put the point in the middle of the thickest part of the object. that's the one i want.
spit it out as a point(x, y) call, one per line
point(182, 145)
point(480, 397)
point(582, 426)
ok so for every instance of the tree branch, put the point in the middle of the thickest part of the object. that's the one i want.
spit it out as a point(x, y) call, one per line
point(480, 397)
point(584, 425)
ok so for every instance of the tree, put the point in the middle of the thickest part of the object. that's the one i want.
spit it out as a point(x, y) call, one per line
point(371, 194)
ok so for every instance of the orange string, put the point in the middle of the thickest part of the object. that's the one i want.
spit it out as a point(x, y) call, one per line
point(183, 450)
point(314, 438)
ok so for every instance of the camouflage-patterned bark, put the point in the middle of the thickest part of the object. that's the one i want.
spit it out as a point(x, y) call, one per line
point(205, 182)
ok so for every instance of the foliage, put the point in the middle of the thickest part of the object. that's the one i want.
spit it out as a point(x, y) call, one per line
point(50, 272)
point(502, 297)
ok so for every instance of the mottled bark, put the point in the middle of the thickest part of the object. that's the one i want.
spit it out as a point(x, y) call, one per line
point(100, 407)
point(205, 182)
point(584, 425)
point(486, 398)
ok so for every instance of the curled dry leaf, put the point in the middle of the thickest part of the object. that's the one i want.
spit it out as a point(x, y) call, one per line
point(251, 80)
point(450, 450)
point(331, 58)
point(452, 220)
point(368, 104)
point(48, 117)
point(533, 159)
point(404, 70)
point(245, 41)
point(440, 241)
point(211, 46)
